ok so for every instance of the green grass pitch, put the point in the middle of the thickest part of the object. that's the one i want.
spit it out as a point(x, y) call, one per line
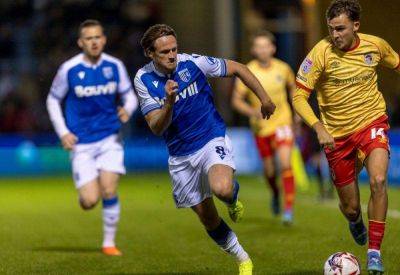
point(43, 231)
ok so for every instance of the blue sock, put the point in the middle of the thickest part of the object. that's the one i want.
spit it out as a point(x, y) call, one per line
point(236, 188)
point(221, 233)
point(227, 240)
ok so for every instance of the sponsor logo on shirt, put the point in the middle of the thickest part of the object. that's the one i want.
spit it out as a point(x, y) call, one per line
point(306, 65)
point(184, 75)
point(86, 91)
point(353, 80)
point(189, 91)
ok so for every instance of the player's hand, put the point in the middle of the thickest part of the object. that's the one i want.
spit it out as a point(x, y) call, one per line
point(122, 114)
point(68, 141)
point(171, 88)
point(267, 109)
point(325, 139)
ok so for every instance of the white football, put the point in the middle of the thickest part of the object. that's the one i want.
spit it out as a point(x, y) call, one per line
point(342, 263)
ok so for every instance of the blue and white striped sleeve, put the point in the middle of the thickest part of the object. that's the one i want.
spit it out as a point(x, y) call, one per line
point(210, 66)
point(146, 101)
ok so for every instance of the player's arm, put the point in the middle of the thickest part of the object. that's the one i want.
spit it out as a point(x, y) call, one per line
point(239, 102)
point(128, 97)
point(249, 79)
point(304, 110)
point(389, 57)
point(160, 119)
point(307, 76)
point(57, 93)
point(130, 104)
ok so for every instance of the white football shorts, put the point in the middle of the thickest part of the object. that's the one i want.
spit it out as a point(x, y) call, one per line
point(190, 173)
point(89, 158)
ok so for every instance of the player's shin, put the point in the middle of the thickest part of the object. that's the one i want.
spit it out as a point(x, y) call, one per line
point(289, 189)
point(111, 212)
point(227, 240)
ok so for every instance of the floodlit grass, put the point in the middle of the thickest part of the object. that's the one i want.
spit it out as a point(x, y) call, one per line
point(43, 231)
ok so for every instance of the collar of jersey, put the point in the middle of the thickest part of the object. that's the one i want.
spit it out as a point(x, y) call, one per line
point(90, 65)
point(160, 73)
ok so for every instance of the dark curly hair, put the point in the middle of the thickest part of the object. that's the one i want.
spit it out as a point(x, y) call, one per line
point(152, 34)
point(351, 8)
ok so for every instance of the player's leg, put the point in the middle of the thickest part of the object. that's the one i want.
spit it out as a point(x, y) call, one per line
point(269, 171)
point(377, 165)
point(344, 167)
point(110, 163)
point(220, 178)
point(284, 153)
point(85, 176)
point(111, 211)
point(222, 234)
point(89, 194)
point(267, 154)
point(349, 197)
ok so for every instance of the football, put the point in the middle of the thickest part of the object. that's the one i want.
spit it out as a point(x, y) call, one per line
point(342, 263)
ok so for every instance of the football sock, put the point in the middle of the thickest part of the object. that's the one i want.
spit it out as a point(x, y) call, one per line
point(235, 195)
point(227, 240)
point(111, 211)
point(289, 188)
point(375, 233)
point(273, 185)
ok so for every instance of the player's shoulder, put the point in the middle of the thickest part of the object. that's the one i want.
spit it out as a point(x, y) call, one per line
point(252, 64)
point(112, 59)
point(144, 74)
point(71, 63)
point(279, 63)
point(371, 39)
point(323, 45)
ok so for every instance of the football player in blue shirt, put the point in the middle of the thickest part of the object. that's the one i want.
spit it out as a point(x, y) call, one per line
point(177, 103)
point(88, 126)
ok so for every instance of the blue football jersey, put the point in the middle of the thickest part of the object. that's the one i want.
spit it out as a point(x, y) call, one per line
point(90, 91)
point(195, 121)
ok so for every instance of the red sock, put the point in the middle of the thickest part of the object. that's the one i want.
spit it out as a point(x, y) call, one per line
point(375, 234)
point(288, 187)
point(272, 184)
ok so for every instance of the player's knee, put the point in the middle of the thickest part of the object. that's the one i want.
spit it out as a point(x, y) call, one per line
point(224, 188)
point(108, 192)
point(88, 202)
point(351, 209)
point(378, 185)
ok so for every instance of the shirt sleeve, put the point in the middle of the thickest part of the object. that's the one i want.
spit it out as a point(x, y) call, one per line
point(311, 69)
point(146, 101)
point(59, 87)
point(389, 58)
point(124, 84)
point(290, 78)
point(210, 66)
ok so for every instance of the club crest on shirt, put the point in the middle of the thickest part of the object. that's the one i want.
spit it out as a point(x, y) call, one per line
point(184, 75)
point(108, 72)
point(279, 78)
point(306, 66)
point(368, 58)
